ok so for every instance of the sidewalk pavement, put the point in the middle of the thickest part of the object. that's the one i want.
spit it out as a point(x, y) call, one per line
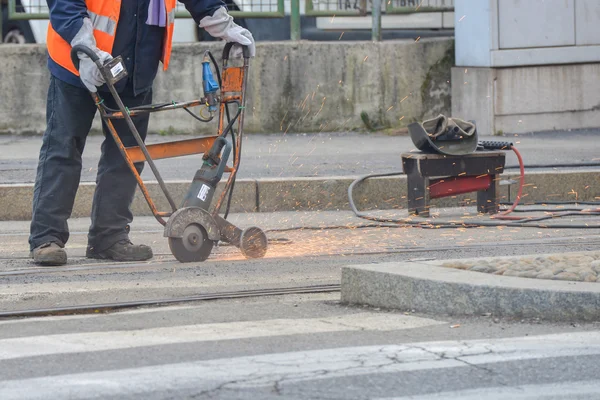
point(312, 172)
point(310, 155)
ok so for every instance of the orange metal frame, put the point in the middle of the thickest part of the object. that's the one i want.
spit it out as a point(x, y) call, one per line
point(233, 90)
point(179, 148)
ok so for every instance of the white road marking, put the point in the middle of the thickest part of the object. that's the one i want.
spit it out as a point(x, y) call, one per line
point(113, 340)
point(564, 390)
point(295, 367)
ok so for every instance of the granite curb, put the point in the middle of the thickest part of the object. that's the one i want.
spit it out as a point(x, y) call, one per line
point(429, 287)
point(325, 193)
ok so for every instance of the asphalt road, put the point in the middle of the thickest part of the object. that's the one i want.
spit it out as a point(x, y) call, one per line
point(294, 347)
point(306, 248)
point(304, 155)
point(304, 346)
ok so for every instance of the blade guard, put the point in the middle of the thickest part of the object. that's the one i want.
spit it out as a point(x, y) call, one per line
point(191, 215)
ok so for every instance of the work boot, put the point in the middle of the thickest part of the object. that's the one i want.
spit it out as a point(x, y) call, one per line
point(49, 254)
point(123, 250)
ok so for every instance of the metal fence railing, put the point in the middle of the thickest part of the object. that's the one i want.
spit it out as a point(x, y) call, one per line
point(337, 7)
point(364, 7)
point(246, 9)
point(38, 9)
point(33, 9)
point(412, 6)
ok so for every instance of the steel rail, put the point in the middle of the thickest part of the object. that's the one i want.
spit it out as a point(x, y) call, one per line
point(108, 307)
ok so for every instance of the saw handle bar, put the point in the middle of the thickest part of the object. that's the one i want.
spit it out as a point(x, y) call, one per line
point(111, 80)
point(219, 154)
point(94, 57)
point(229, 46)
point(79, 48)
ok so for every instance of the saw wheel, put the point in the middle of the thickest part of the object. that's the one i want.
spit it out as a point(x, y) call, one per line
point(253, 243)
point(193, 246)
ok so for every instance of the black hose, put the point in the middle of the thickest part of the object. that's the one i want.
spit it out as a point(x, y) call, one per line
point(233, 139)
point(230, 195)
point(445, 224)
point(216, 65)
point(195, 116)
point(538, 203)
point(229, 126)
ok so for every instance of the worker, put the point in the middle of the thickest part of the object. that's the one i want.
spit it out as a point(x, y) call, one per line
point(141, 32)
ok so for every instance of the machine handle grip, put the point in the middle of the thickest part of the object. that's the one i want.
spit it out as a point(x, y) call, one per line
point(79, 48)
point(221, 148)
point(493, 145)
point(229, 46)
point(224, 158)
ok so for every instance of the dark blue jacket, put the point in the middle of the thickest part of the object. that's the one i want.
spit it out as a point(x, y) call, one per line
point(139, 44)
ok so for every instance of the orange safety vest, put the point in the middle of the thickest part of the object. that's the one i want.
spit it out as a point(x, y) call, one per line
point(104, 15)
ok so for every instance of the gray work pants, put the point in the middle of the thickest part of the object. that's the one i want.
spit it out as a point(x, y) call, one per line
point(69, 114)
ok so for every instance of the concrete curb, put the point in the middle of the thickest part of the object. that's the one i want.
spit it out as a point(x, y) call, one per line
point(321, 194)
point(429, 288)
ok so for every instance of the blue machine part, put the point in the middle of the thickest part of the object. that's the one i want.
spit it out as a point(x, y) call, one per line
point(209, 85)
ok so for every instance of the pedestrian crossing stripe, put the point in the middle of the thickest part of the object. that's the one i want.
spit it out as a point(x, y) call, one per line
point(295, 367)
point(69, 343)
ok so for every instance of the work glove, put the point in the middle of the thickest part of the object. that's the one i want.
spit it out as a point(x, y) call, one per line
point(221, 25)
point(88, 71)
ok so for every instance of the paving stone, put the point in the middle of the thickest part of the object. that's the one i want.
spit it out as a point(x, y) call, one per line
point(528, 274)
point(566, 276)
point(483, 268)
point(522, 267)
point(545, 274)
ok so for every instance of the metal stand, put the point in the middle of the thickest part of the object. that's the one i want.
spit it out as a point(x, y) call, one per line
point(431, 176)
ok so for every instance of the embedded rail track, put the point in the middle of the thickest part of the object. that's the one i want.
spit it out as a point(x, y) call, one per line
point(108, 307)
point(508, 247)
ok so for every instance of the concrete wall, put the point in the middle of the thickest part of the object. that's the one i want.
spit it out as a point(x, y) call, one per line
point(293, 86)
point(506, 33)
point(528, 99)
point(527, 66)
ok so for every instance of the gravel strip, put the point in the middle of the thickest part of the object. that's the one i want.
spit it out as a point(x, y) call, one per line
point(583, 267)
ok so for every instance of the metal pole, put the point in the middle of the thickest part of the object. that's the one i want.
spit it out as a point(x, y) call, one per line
point(295, 20)
point(376, 14)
